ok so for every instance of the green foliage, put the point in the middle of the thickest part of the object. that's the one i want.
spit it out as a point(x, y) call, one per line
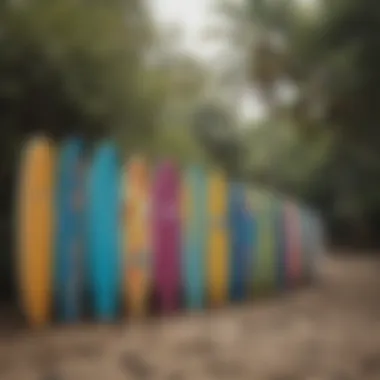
point(279, 157)
point(217, 131)
point(69, 66)
point(179, 144)
point(65, 64)
point(332, 58)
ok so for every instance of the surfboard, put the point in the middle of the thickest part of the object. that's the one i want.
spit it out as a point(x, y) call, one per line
point(320, 243)
point(35, 228)
point(103, 207)
point(166, 210)
point(252, 237)
point(314, 244)
point(293, 244)
point(218, 244)
point(280, 244)
point(194, 233)
point(69, 239)
point(306, 237)
point(264, 275)
point(240, 243)
point(137, 245)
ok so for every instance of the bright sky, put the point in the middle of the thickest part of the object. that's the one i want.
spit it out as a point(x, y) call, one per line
point(194, 16)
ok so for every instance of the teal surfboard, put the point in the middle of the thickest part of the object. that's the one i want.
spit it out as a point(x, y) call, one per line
point(103, 216)
point(194, 232)
point(240, 225)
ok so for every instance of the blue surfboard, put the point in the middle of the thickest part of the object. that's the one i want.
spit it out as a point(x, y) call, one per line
point(103, 232)
point(250, 239)
point(240, 222)
point(69, 249)
point(194, 234)
point(252, 236)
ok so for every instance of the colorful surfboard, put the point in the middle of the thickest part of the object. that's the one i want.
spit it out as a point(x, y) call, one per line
point(264, 275)
point(240, 226)
point(252, 231)
point(194, 234)
point(103, 206)
point(320, 242)
point(69, 250)
point(166, 210)
point(307, 243)
point(293, 244)
point(35, 228)
point(315, 243)
point(280, 244)
point(218, 239)
point(136, 228)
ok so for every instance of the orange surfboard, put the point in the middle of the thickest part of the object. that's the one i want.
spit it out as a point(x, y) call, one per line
point(35, 230)
point(137, 245)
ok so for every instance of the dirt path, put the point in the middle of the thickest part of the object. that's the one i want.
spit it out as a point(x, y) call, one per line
point(329, 332)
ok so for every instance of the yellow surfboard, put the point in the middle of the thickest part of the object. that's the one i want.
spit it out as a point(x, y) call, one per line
point(137, 236)
point(218, 251)
point(34, 226)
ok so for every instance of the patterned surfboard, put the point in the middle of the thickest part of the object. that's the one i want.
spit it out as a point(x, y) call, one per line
point(35, 229)
point(194, 234)
point(218, 239)
point(166, 210)
point(137, 231)
point(103, 207)
point(69, 250)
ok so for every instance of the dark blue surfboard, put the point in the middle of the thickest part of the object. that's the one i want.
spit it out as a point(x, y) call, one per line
point(240, 223)
point(103, 207)
point(69, 248)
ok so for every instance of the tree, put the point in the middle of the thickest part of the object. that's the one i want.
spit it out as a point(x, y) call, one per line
point(331, 59)
point(216, 130)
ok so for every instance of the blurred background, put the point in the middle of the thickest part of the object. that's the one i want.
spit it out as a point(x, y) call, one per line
point(282, 93)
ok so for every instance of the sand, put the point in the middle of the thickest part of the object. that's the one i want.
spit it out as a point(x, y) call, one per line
point(329, 331)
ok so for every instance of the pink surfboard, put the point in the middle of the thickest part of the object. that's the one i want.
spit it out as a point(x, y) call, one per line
point(166, 236)
point(293, 247)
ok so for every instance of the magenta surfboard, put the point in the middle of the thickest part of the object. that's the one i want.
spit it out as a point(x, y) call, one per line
point(166, 236)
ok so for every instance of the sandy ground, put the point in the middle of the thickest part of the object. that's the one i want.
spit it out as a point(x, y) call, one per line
point(328, 332)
